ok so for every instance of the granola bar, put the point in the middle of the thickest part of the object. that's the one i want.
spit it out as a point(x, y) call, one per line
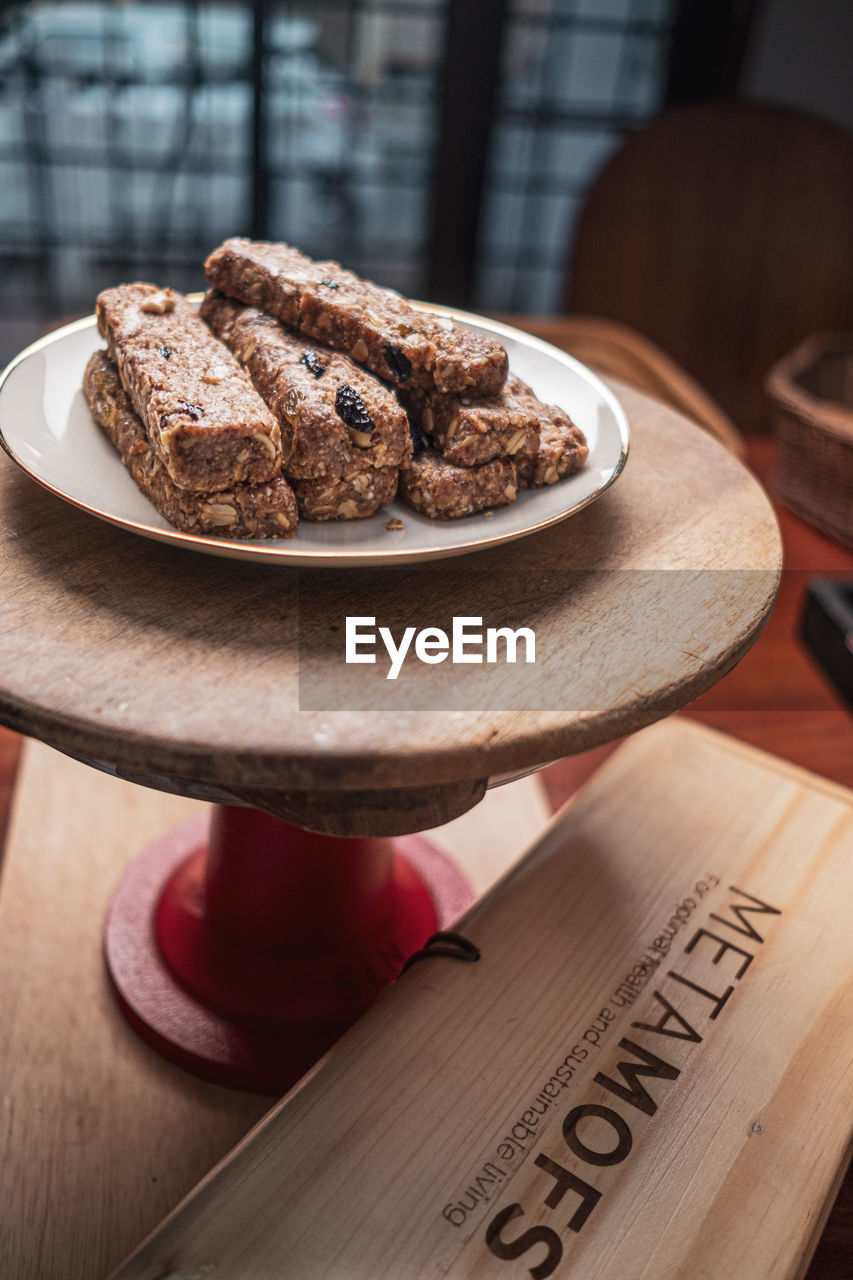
point(445, 492)
point(263, 510)
point(377, 327)
point(346, 497)
point(203, 417)
point(471, 431)
point(562, 451)
point(335, 418)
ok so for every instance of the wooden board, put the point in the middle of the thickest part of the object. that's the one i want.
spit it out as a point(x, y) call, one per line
point(647, 1074)
point(99, 1136)
point(187, 665)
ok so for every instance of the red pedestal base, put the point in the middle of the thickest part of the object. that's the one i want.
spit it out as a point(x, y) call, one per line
point(244, 952)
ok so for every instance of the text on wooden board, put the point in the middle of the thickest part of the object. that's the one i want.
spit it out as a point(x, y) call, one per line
point(595, 1133)
point(563, 1177)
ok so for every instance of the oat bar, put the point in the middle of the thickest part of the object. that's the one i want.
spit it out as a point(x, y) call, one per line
point(471, 431)
point(445, 492)
point(203, 417)
point(562, 448)
point(346, 497)
point(335, 418)
point(377, 327)
point(263, 510)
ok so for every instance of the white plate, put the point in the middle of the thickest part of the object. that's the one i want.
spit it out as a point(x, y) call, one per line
point(46, 427)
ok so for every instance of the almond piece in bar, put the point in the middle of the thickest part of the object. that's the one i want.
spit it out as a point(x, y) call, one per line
point(203, 418)
point(376, 327)
point(469, 431)
point(442, 491)
point(263, 510)
point(335, 418)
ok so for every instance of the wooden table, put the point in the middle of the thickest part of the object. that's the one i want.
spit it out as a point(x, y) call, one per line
point(171, 663)
point(773, 699)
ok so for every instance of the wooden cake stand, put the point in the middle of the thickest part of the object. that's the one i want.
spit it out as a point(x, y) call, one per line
point(245, 954)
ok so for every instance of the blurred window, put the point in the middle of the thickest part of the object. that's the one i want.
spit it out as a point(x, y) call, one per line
point(134, 136)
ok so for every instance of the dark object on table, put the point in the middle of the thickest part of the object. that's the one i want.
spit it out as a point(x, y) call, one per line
point(827, 631)
point(811, 392)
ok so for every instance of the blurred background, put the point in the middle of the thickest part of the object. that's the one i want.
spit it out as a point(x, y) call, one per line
point(444, 148)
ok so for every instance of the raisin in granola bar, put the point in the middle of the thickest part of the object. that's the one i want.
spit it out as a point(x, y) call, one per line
point(377, 327)
point(445, 492)
point(563, 449)
point(471, 431)
point(203, 417)
point(263, 510)
point(335, 418)
point(350, 497)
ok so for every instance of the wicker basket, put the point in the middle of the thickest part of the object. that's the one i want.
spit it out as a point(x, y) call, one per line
point(811, 392)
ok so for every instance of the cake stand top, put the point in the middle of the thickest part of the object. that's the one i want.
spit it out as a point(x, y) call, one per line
point(163, 662)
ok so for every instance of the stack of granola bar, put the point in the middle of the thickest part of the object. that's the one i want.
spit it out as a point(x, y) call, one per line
point(302, 387)
point(477, 434)
point(182, 412)
point(344, 436)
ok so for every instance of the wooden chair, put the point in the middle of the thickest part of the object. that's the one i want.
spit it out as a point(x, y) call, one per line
point(722, 232)
point(616, 351)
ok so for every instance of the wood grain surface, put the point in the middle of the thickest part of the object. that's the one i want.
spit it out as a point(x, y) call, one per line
point(89, 1116)
point(99, 1137)
point(152, 658)
point(720, 880)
